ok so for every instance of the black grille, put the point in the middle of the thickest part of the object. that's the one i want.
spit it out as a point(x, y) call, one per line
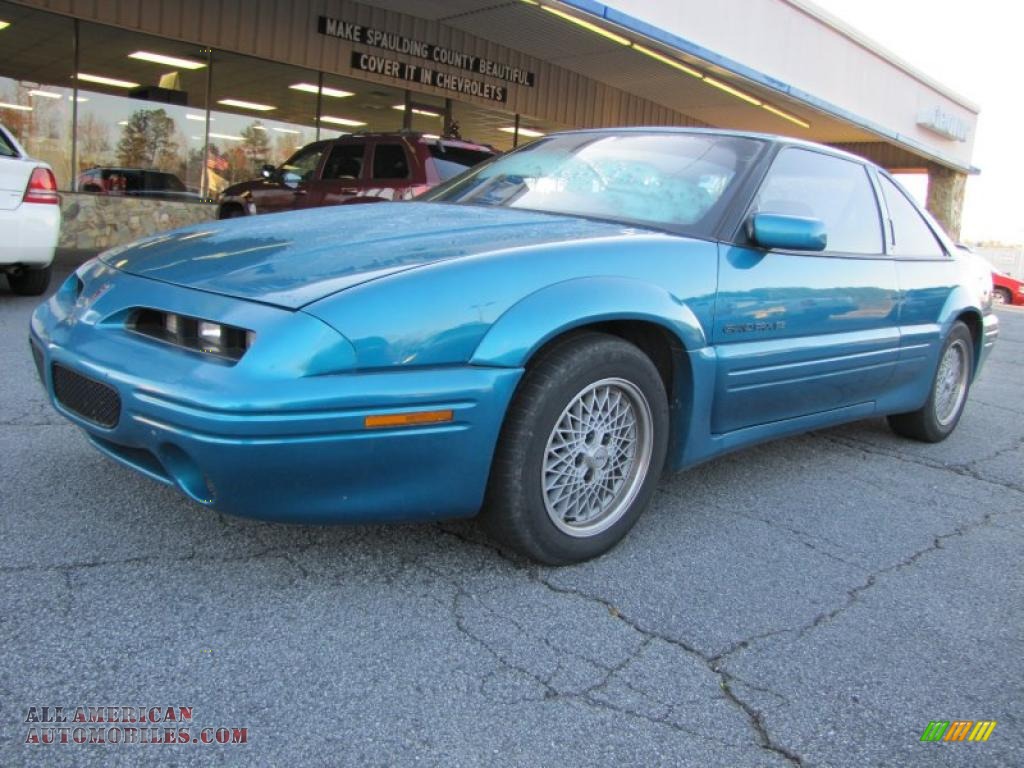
point(37, 355)
point(90, 399)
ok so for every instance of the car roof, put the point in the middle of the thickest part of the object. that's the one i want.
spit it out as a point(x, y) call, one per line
point(411, 135)
point(772, 138)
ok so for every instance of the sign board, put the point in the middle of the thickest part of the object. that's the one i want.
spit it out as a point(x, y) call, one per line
point(943, 123)
point(436, 54)
point(414, 73)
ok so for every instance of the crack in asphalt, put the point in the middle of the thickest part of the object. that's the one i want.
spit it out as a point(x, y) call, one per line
point(752, 715)
point(715, 663)
point(586, 695)
point(965, 469)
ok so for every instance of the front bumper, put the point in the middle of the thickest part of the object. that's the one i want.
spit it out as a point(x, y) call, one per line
point(290, 448)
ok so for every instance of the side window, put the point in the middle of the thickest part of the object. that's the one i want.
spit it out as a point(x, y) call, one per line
point(304, 163)
point(389, 162)
point(910, 235)
point(837, 191)
point(345, 162)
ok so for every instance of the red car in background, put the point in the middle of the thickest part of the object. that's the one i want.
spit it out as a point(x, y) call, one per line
point(355, 168)
point(1006, 289)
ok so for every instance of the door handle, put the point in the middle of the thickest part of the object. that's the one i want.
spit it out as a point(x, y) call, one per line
point(300, 192)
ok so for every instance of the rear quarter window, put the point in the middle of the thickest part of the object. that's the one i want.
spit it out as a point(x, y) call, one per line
point(909, 234)
point(6, 147)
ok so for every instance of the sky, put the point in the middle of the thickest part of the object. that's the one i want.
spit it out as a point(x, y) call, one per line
point(975, 49)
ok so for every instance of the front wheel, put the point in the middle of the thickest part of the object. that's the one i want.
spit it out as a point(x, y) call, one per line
point(941, 413)
point(581, 450)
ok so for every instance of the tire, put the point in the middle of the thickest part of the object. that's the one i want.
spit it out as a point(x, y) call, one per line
point(231, 212)
point(29, 281)
point(947, 397)
point(564, 488)
point(1001, 296)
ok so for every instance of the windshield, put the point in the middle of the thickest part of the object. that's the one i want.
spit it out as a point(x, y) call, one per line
point(667, 180)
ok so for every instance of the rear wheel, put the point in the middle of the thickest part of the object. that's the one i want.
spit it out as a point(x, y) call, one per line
point(1001, 296)
point(581, 451)
point(941, 413)
point(30, 281)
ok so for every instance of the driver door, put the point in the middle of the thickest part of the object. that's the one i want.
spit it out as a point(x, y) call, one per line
point(291, 184)
point(802, 333)
point(342, 176)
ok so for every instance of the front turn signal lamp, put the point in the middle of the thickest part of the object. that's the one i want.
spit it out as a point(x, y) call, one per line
point(413, 419)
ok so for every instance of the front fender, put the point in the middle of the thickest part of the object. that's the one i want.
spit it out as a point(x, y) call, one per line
point(555, 309)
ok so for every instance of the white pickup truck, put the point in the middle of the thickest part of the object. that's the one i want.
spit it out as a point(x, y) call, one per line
point(29, 218)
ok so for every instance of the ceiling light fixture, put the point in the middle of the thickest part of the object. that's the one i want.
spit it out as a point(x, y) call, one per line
point(286, 130)
point(417, 111)
point(226, 136)
point(786, 116)
point(587, 25)
point(20, 107)
point(197, 118)
point(528, 132)
point(311, 88)
point(734, 91)
point(341, 121)
point(246, 105)
point(45, 94)
point(4, 24)
point(170, 61)
point(111, 81)
point(666, 60)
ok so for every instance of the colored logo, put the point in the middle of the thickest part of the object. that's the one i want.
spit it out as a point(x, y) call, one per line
point(958, 730)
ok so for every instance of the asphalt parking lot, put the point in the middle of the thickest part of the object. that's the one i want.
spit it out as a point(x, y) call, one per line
point(816, 601)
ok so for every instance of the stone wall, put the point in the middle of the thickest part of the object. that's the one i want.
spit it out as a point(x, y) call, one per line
point(946, 197)
point(96, 222)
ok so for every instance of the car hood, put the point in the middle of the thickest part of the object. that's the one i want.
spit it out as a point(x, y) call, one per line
point(293, 259)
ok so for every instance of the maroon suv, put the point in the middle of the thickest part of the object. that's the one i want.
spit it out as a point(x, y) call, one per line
point(357, 168)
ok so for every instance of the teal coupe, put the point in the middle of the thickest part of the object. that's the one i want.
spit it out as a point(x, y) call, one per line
point(538, 338)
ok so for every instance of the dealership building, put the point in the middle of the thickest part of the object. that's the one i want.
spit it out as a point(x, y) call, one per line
point(210, 90)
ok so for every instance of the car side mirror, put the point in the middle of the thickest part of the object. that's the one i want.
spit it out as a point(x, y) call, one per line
point(267, 171)
point(790, 233)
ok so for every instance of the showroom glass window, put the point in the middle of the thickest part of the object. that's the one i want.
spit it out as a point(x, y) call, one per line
point(141, 115)
point(909, 234)
point(261, 114)
point(35, 84)
point(836, 191)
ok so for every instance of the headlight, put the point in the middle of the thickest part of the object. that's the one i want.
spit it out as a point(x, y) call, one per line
point(212, 338)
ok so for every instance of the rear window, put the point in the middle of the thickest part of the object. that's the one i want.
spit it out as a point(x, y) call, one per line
point(451, 161)
point(389, 162)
